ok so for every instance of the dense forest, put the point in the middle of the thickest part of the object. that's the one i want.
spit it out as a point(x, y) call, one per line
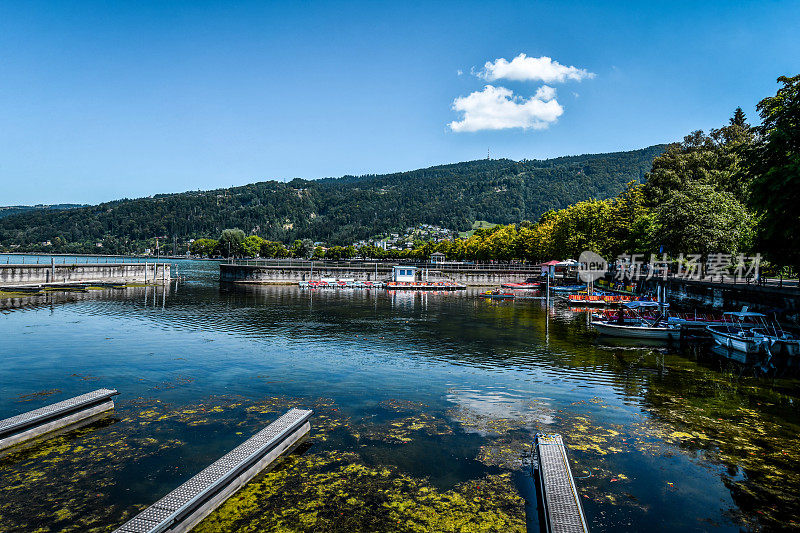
point(8, 210)
point(336, 211)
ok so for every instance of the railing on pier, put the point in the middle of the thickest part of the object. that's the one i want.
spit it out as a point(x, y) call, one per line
point(559, 501)
point(42, 421)
point(186, 506)
point(66, 259)
point(387, 265)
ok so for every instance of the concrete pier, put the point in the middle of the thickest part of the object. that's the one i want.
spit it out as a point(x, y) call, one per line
point(54, 273)
point(186, 506)
point(292, 272)
point(559, 501)
point(46, 420)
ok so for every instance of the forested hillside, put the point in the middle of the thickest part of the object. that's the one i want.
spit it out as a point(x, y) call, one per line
point(341, 210)
point(8, 210)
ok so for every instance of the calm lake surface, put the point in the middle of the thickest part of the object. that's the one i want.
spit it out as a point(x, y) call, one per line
point(425, 408)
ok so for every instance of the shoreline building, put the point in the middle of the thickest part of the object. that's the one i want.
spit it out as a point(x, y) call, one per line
point(404, 274)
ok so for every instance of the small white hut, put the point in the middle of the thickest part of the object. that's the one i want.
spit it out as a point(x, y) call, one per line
point(405, 274)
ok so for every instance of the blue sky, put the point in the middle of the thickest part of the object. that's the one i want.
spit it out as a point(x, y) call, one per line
point(105, 100)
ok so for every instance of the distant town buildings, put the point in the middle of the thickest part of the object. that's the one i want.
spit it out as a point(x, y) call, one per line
point(406, 240)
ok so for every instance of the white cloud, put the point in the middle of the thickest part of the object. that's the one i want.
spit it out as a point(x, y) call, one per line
point(545, 92)
point(524, 68)
point(497, 108)
point(459, 72)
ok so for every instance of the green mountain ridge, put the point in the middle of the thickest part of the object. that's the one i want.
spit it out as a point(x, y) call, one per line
point(342, 210)
point(9, 210)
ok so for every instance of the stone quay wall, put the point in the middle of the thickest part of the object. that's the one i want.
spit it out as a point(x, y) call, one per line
point(17, 275)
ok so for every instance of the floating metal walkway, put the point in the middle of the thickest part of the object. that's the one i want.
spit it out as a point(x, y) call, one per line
point(59, 415)
point(186, 506)
point(559, 501)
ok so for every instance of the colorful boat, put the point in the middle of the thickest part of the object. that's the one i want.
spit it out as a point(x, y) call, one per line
point(424, 286)
point(522, 286)
point(569, 288)
point(497, 295)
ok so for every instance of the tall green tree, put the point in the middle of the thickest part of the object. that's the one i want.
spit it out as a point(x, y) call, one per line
point(230, 242)
point(302, 248)
point(701, 219)
point(739, 118)
point(698, 191)
point(251, 247)
point(203, 247)
point(718, 159)
point(775, 166)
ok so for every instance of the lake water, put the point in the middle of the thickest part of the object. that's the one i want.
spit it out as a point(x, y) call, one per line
point(425, 408)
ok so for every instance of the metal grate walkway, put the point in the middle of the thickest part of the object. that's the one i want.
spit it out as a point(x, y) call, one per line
point(189, 499)
point(44, 414)
point(561, 505)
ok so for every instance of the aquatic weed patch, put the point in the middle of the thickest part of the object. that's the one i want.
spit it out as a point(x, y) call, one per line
point(730, 422)
point(73, 481)
point(334, 491)
point(79, 481)
point(62, 484)
point(403, 430)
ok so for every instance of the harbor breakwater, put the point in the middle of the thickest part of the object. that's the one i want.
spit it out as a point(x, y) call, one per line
point(42, 274)
point(284, 273)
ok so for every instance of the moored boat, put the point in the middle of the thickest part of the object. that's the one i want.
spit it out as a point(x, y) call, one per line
point(635, 325)
point(522, 286)
point(638, 331)
point(497, 295)
point(423, 286)
point(586, 299)
point(568, 288)
point(749, 332)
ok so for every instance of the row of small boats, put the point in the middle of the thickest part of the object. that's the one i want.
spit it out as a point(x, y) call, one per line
point(389, 285)
point(340, 284)
point(601, 299)
point(744, 331)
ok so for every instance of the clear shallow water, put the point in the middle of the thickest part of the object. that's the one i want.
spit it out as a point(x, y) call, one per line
point(425, 390)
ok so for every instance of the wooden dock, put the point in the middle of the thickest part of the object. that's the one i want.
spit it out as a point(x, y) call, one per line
point(189, 504)
point(42, 421)
point(559, 501)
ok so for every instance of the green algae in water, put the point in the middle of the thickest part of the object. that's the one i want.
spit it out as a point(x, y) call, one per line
point(726, 419)
point(71, 477)
point(334, 491)
point(59, 482)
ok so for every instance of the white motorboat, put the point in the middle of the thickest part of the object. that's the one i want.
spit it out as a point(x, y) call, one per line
point(749, 332)
point(658, 332)
point(635, 326)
